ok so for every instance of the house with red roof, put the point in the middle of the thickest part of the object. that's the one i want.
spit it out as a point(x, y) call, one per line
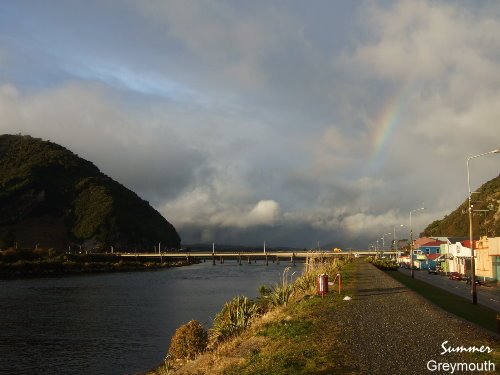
point(435, 261)
point(426, 246)
point(422, 240)
point(429, 247)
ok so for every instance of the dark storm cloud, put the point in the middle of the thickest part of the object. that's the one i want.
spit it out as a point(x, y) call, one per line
point(250, 121)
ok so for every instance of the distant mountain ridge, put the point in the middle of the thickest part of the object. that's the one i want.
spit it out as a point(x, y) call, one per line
point(486, 215)
point(50, 197)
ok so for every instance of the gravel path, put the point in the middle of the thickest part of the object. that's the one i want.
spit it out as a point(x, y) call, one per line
point(389, 329)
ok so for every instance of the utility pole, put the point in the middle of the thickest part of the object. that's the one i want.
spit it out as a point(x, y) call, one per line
point(472, 261)
point(411, 242)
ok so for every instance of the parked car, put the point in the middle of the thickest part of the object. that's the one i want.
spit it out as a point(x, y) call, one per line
point(433, 270)
point(468, 280)
point(455, 276)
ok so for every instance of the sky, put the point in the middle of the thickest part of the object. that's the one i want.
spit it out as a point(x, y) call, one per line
point(291, 122)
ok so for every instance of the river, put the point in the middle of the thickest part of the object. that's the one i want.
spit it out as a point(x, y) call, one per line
point(119, 323)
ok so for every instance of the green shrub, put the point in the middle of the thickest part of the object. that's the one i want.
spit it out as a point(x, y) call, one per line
point(234, 317)
point(188, 341)
point(305, 282)
point(385, 264)
point(280, 294)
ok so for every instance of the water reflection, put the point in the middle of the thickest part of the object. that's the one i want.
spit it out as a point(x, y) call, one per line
point(114, 323)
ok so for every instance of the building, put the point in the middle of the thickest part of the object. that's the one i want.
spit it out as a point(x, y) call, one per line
point(457, 257)
point(488, 259)
point(435, 261)
point(426, 246)
point(422, 240)
point(430, 247)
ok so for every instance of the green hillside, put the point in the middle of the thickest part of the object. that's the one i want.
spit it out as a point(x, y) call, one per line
point(51, 197)
point(484, 222)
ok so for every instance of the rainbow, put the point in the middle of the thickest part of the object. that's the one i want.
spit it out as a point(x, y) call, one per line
point(386, 123)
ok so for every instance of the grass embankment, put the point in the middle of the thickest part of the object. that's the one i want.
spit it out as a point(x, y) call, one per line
point(294, 338)
point(477, 314)
point(299, 339)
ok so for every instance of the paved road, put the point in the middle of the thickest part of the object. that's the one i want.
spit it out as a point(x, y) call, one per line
point(487, 296)
point(388, 329)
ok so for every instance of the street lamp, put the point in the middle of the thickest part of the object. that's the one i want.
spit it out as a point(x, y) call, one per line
point(383, 241)
point(472, 262)
point(395, 244)
point(411, 241)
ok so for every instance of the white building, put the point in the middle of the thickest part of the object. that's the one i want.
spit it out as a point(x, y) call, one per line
point(457, 257)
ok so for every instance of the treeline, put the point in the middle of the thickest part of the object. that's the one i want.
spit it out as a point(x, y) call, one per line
point(39, 262)
point(485, 219)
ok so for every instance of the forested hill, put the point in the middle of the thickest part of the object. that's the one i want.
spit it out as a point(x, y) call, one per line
point(50, 197)
point(484, 222)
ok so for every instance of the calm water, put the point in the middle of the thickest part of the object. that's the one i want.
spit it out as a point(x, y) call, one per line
point(114, 323)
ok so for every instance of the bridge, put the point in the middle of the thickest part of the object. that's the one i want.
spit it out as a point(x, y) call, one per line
point(240, 256)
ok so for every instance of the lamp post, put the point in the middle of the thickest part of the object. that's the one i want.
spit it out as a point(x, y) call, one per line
point(395, 244)
point(411, 242)
point(472, 262)
point(383, 241)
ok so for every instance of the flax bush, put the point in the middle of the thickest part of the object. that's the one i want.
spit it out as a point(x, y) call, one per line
point(234, 317)
point(280, 294)
point(305, 283)
point(188, 341)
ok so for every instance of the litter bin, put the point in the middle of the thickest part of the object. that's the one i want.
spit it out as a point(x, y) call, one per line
point(322, 287)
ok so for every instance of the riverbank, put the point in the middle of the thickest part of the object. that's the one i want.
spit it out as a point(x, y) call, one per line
point(76, 264)
point(384, 328)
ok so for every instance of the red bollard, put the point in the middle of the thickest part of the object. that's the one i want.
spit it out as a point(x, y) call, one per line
point(322, 286)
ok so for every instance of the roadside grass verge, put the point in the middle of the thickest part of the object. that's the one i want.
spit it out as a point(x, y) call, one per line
point(459, 306)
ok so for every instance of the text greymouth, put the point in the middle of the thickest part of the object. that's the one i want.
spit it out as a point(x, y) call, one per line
point(450, 367)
